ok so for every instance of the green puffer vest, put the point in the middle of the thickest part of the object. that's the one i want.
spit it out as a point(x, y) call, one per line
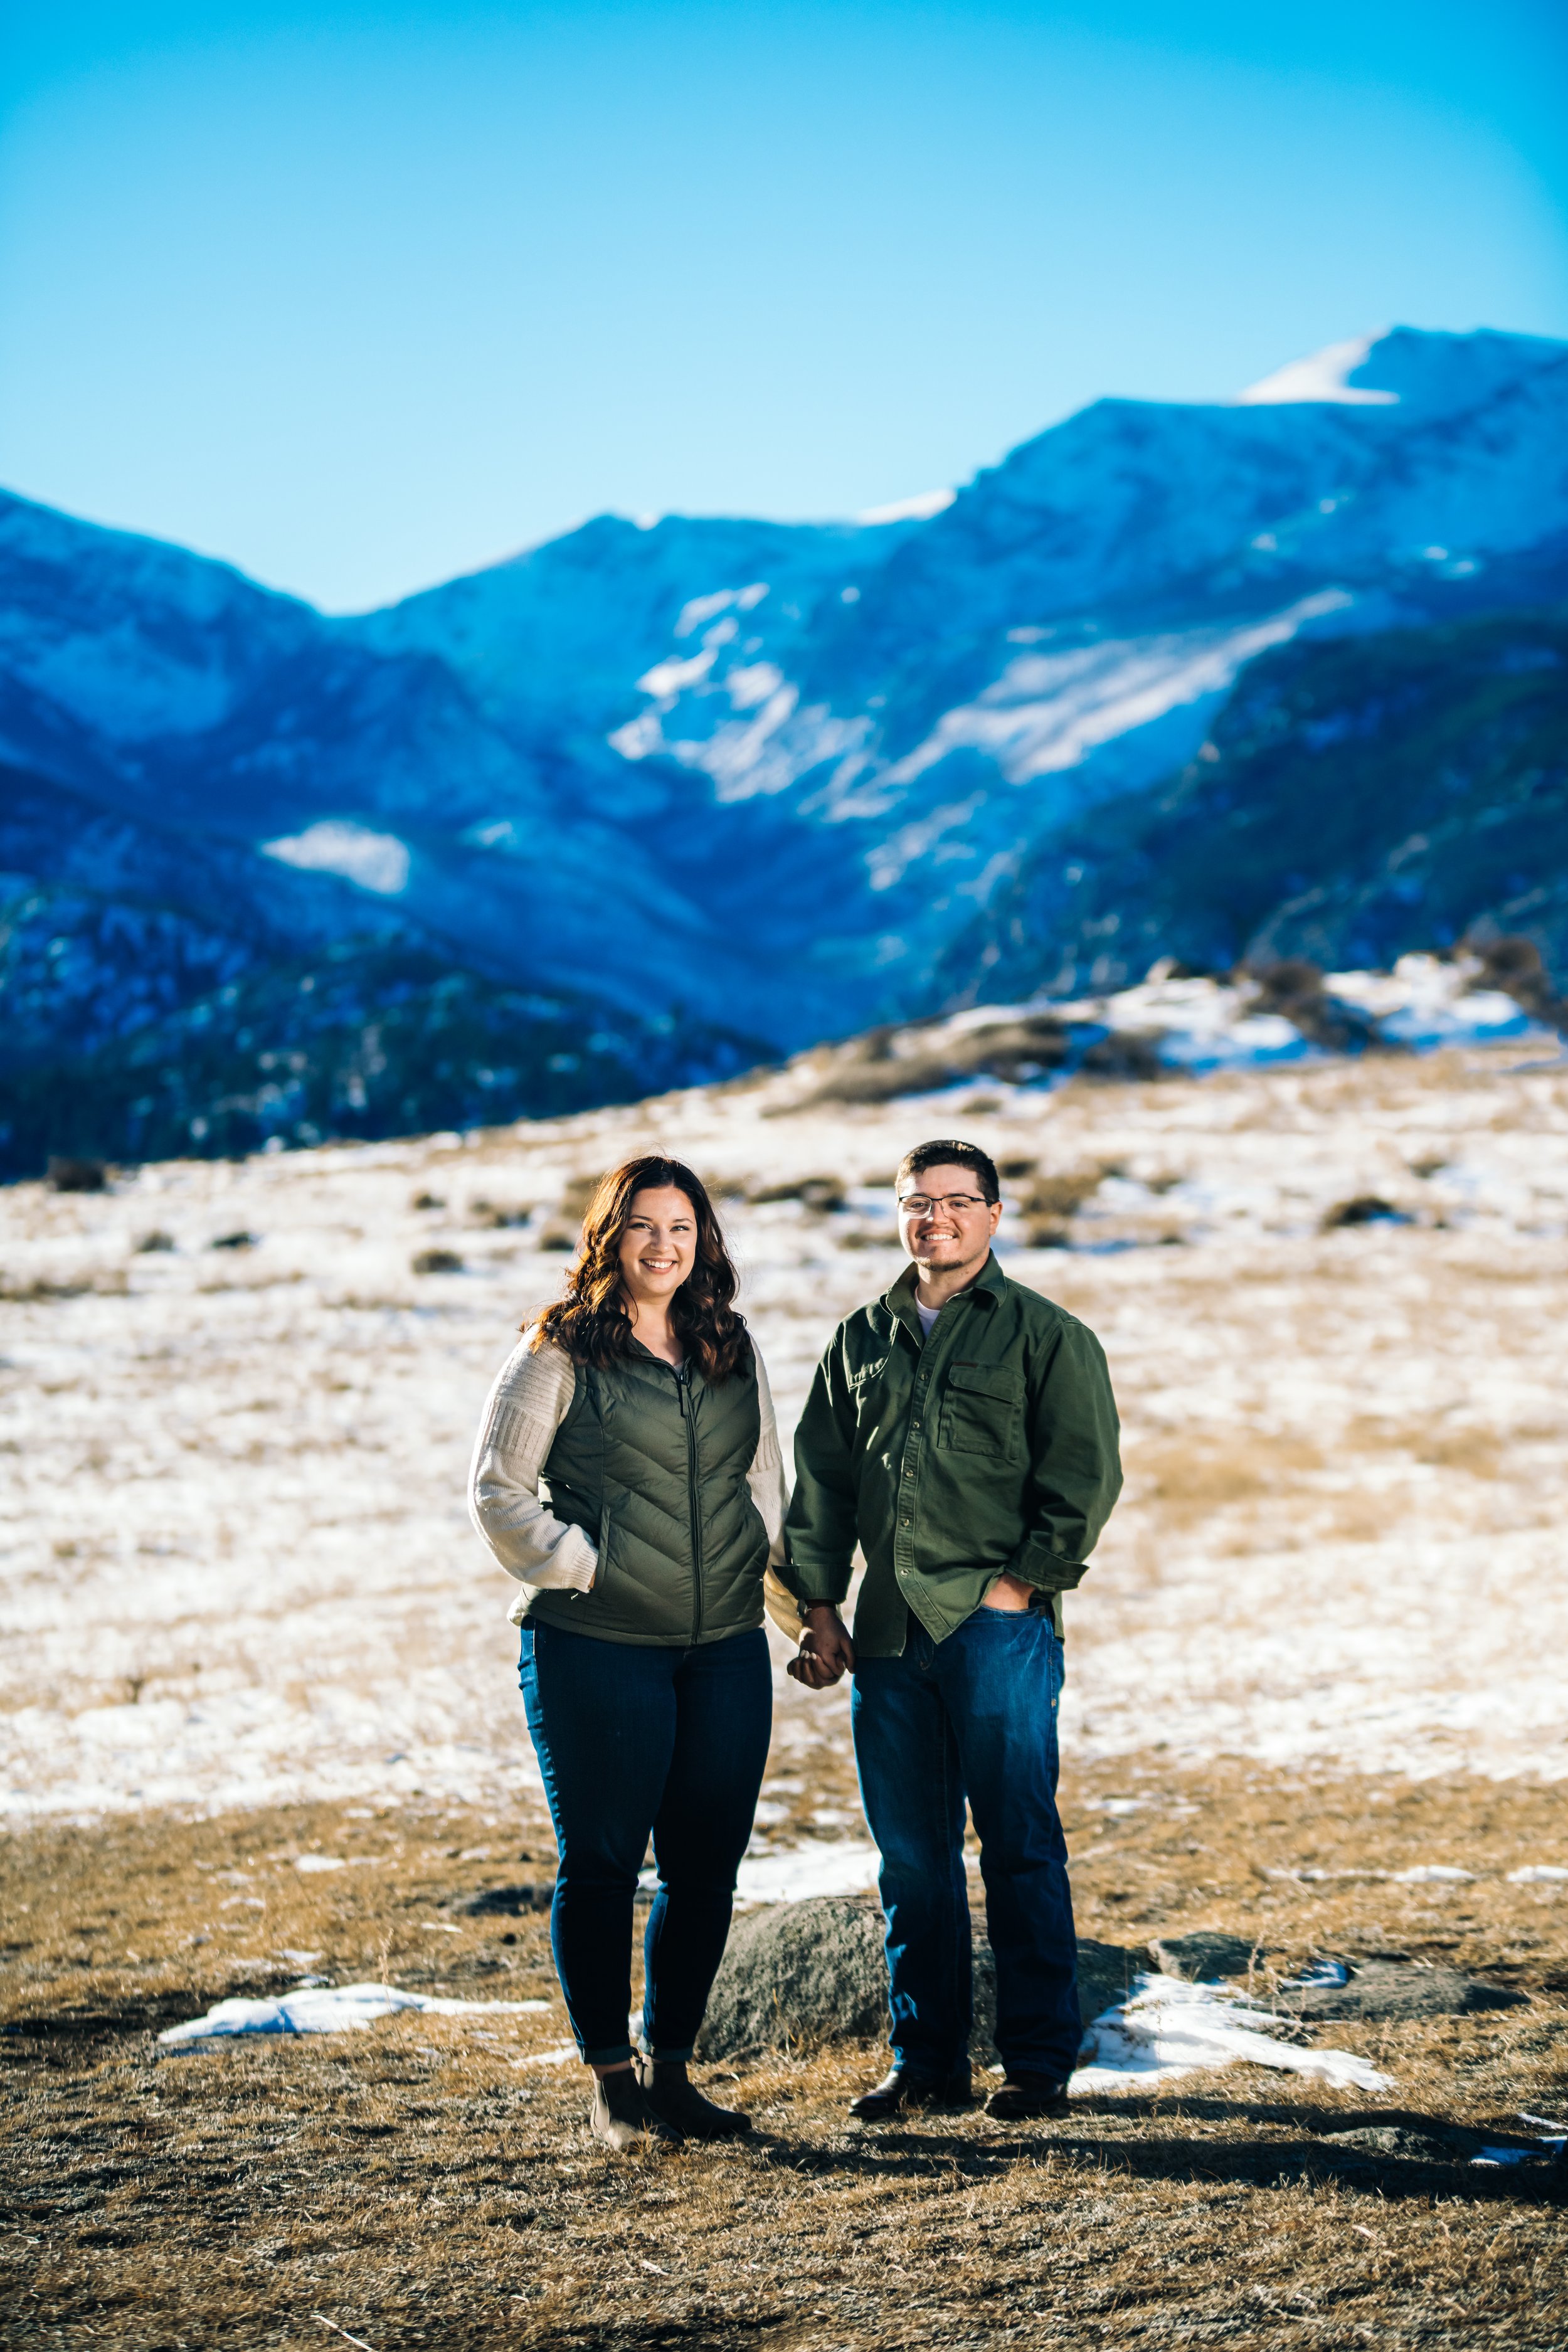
point(652, 1463)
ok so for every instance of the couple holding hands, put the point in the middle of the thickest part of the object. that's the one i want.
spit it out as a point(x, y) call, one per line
point(961, 1431)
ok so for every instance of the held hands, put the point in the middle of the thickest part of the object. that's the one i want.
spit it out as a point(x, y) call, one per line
point(825, 1650)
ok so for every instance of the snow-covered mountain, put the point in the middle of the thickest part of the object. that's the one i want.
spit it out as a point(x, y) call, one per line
point(724, 775)
point(895, 715)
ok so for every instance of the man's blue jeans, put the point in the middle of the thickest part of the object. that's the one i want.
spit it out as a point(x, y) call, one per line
point(973, 1717)
point(633, 1740)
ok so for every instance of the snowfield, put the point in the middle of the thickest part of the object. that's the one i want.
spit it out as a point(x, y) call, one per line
point(237, 1566)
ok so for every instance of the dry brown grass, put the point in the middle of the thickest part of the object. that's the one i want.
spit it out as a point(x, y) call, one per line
point(1189, 1479)
point(414, 2186)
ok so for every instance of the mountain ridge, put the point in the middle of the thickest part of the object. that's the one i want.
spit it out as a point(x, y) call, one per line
point(779, 782)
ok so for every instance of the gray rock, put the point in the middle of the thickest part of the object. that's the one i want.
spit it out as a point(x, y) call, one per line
point(1204, 1955)
point(1378, 1987)
point(507, 1902)
point(1398, 2139)
point(796, 1976)
point(1393, 1989)
point(1105, 1976)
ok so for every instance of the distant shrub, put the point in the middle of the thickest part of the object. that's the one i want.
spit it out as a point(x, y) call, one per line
point(871, 1070)
point(436, 1261)
point(1510, 963)
point(1514, 965)
point(1293, 980)
point(77, 1176)
point(155, 1241)
point(111, 1284)
point(427, 1201)
point(884, 1078)
point(1020, 1050)
point(564, 1231)
point(1124, 1054)
point(241, 1240)
point(487, 1212)
point(1365, 1209)
point(1293, 988)
point(823, 1193)
point(1061, 1196)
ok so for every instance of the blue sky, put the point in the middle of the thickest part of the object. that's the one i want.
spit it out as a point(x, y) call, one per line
point(361, 297)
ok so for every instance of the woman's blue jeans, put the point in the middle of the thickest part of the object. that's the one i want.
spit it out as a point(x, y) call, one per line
point(633, 1741)
point(972, 1717)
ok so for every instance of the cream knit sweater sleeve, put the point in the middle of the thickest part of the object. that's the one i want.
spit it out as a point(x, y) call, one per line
point(765, 1477)
point(517, 1429)
point(523, 1413)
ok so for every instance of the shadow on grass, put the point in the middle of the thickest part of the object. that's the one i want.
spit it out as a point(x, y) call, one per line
point(147, 2014)
point(891, 2154)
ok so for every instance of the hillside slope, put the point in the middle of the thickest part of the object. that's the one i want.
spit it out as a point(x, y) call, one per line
point(1354, 801)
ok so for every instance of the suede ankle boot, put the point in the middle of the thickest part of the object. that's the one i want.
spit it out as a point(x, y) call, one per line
point(621, 2117)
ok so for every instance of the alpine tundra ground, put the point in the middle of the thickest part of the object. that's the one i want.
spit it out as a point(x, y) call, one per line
point(247, 1629)
point(423, 2184)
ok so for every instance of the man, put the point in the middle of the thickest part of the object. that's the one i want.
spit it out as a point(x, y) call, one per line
point(962, 1428)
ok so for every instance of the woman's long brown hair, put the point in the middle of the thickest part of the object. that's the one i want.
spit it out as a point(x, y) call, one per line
point(592, 1322)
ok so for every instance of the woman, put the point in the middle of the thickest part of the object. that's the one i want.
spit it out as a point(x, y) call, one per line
point(640, 1401)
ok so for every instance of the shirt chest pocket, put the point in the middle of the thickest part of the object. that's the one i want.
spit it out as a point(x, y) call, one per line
point(981, 1408)
point(869, 1398)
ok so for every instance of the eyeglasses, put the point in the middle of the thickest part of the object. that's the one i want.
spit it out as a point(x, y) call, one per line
point(959, 1204)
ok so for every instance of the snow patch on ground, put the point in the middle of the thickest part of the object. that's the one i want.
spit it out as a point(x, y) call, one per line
point(1169, 2028)
point(1426, 1001)
point(825, 1867)
point(1199, 1025)
point(329, 2008)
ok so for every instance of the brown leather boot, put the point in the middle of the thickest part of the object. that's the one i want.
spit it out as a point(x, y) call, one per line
point(1024, 2098)
point(677, 2102)
point(901, 2090)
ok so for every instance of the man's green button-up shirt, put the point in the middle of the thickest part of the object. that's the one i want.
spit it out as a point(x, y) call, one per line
point(990, 1445)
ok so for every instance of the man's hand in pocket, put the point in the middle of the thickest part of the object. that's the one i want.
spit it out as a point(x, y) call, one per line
point(1009, 1593)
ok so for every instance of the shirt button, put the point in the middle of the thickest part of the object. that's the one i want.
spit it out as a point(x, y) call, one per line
point(906, 1523)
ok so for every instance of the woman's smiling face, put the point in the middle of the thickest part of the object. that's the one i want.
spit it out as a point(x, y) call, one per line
point(659, 1246)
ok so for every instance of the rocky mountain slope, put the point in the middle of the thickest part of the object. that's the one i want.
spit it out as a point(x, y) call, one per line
point(1355, 800)
point(717, 788)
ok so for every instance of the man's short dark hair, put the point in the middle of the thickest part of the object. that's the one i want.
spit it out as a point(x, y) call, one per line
point(951, 1154)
